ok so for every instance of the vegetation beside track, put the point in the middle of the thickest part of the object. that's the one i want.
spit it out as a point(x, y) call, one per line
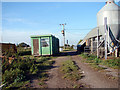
point(18, 69)
point(95, 62)
point(71, 72)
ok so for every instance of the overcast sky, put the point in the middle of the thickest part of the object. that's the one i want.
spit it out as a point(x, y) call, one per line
point(20, 20)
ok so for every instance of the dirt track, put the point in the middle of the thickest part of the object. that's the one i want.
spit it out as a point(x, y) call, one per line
point(92, 78)
point(55, 79)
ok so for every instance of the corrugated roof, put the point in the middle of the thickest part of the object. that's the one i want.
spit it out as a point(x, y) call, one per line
point(33, 36)
point(92, 33)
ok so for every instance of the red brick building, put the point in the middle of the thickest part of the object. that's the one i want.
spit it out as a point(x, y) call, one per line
point(7, 47)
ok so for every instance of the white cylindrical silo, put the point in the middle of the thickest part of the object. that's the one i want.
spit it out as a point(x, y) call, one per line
point(112, 12)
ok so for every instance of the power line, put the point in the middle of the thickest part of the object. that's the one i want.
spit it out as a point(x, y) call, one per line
point(83, 34)
point(81, 29)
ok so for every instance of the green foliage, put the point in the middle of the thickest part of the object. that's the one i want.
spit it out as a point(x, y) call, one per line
point(69, 66)
point(16, 71)
point(33, 69)
point(75, 86)
point(41, 83)
point(21, 84)
point(22, 53)
point(92, 57)
point(21, 68)
point(70, 70)
point(84, 55)
point(15, 75)
point(97, 67)
point(8, 53)
point(112, 62)
point(73, 76)
point(96, 61)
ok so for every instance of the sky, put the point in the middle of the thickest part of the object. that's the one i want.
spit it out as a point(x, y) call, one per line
point(20, 20)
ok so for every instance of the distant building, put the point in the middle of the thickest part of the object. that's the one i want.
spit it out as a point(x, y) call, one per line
point(96, 36)
point(7, 47)
point(23, 45)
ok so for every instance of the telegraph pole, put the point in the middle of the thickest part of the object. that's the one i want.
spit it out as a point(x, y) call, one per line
point(105, 22)
point(67, 43)
point(97, 42)
point(63, 32)
point(108, 38)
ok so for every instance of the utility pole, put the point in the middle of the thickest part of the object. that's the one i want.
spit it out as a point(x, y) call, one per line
point(108, 38)
point(105, 23)
point(63, 32)
point(67, 43)
point(97, 42)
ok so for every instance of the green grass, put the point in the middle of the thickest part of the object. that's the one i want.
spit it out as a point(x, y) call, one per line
point(21, 84)
point(17, 73)
point(78, 86)
point(41, 83)
point(70, 70)
point(114, 63)
point(84, 55)
point(94, 61)
point(95, 66)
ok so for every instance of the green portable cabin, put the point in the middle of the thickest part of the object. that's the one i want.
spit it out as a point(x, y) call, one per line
point(44, 45)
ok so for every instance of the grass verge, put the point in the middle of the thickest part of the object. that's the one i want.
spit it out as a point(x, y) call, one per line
point(95, 62)
point(70, 70)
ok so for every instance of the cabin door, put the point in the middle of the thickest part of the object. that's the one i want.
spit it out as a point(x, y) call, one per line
point(36, 46)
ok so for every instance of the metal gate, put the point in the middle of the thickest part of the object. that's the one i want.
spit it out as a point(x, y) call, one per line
point(36, 46)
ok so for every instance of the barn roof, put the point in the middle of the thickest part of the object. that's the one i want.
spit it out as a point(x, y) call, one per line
point(92, 33)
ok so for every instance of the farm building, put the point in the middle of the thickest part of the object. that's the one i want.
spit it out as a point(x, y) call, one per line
point(7, 47)
point(106, 36)
point(44, 45)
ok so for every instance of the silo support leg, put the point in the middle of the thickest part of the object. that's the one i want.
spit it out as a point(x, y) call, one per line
point(117, 52)
point(92, 45)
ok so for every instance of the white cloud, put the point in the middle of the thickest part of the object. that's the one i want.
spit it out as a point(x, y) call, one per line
point(18, 36)
point(72, 37)
point(14, 19)
point(20, 20)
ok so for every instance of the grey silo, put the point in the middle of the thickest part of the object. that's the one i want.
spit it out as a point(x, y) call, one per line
point(112, 12)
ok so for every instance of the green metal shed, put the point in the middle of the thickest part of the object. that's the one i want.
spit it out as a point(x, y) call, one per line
point(44, 45)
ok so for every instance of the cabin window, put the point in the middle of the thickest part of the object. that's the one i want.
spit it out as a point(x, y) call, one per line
point(44, 42)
